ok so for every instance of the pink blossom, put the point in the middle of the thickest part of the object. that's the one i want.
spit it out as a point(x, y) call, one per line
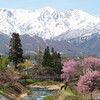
point(69, 69)
point(91, 62)
point(89, 82)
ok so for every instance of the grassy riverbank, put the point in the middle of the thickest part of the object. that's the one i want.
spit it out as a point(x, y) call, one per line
point(64, 95)
point(70, 95)
point(15, 92)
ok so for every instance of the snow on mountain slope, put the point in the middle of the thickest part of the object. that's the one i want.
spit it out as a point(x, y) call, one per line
point(48, 23)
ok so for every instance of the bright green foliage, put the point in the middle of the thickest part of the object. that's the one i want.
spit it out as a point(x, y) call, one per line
point(15, 51)
point(27, 64)
point(3, 63)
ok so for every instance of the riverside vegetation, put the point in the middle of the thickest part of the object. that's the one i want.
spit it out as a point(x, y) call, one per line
point(82, 80)
point(80, 76)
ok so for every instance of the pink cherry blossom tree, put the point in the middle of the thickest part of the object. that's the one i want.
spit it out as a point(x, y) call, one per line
point(70, 73)
point(89, 83)
point(92, 62)
point(69, 69)
point(86, 82)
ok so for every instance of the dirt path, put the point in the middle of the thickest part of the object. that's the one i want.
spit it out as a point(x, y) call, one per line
point(50, 87)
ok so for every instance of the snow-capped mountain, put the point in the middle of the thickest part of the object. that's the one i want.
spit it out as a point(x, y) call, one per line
point(46, 22)
point(81, 25)
point(72, 32)
point(49, 23)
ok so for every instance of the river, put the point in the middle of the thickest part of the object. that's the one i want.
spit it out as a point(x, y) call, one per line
point(38, 94)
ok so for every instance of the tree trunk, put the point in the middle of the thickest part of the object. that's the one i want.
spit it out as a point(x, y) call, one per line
point(91, 96)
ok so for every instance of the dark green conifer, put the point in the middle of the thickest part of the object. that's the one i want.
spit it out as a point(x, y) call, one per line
point(56, 62)
point(15, 51)
point(52, 60)
point(52, 50)
point(58, 65)
point(46, 57)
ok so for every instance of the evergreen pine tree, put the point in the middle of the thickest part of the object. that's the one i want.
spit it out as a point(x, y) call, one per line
point(58, 65)
point(15, 51)
point(46, 57)
point(52, 60)
point(56, 62)
point(52, 50)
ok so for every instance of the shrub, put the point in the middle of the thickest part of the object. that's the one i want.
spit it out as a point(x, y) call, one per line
point(27, 81)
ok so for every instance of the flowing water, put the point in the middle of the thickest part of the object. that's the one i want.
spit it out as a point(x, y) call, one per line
point(38, 94)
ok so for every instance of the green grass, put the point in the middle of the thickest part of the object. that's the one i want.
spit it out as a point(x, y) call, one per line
point(49, 97)
point(5, 88)
point(72, 94)
point(27, 81)
point(65, 95)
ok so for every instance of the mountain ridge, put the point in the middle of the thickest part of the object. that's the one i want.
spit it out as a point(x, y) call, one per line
point(30, 45)
point(46, 22)
point(75, 30)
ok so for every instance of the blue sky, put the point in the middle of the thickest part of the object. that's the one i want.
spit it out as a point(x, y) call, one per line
point(90, 6)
